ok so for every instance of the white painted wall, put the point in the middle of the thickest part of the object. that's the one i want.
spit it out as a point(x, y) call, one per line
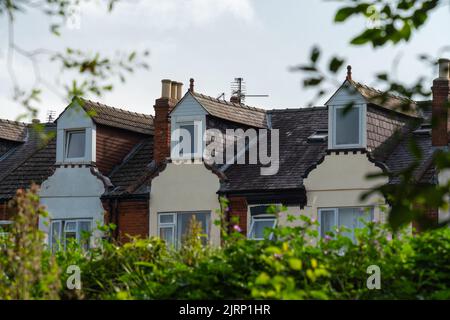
point(185, 187)
point(344, 95)
point(339, 181)
point(73, 193)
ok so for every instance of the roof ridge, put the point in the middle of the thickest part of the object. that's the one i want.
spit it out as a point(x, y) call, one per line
point(149, 116)
point(382, 92)
point(297, 109)
point(225, 102)
point(14, 122)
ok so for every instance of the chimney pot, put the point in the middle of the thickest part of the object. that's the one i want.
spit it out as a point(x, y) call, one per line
point(444, 68)
point(191, 85)
point(174, 89)
point(166, 88)
point(179, 90)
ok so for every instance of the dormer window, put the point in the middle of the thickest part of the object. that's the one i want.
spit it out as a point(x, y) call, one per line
point(75, 144)
point(187, 138)
point(347, 126)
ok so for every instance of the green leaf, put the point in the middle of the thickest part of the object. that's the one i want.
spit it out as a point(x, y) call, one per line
point(335, 64)
point(369, 35)
point(315, 54)
point(295, 264)
point(343, 14)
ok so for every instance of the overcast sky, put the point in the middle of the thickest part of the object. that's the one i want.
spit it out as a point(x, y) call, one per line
point(215, 41)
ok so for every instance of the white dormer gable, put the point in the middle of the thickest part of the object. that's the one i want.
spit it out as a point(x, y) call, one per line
point(76, 136)
point(347, 127)
point(189, 115)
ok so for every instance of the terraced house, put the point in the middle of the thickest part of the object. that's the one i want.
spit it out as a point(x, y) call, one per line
point(110, 165)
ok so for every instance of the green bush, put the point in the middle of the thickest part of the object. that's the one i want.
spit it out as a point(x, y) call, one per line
point(295, 264)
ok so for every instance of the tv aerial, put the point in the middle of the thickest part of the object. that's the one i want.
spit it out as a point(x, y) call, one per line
point(238, 91)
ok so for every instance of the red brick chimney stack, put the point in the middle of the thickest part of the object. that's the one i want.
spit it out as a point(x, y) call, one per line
point(170, 94)
point(440, 104)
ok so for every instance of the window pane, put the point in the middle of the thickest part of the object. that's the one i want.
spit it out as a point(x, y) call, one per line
point(259, 226)
point(55, 235)
point(351, 219)
point(259, 210)
point(166, 218)
point(69, 237)
point(166, 233)
point(84, 233)
point(347, 126)
point(75, 144)
point(191, 130)
point(327, 222)
point(70, 226)
point(183, 221)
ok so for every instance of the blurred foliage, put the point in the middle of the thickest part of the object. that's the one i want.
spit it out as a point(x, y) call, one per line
point(86, 73)
point(27, 269)
point(295, 264)
point(389, 22)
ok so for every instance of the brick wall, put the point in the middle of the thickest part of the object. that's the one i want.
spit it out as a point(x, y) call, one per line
point(133, 218)
point(431, 219)
point(4, 214)
point(238, 208)
point(113, 145)
point(161, 146)
point(441, 96)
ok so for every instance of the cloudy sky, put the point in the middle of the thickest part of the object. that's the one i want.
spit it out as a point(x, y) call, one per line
point(214, 41)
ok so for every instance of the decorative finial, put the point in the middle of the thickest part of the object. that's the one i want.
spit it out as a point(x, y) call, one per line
point(191, 85)
point(349, 72)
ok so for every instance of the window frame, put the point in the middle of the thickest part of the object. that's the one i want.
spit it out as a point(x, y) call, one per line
point(62, 231)
point(336, 215)
point(362, 127)
point(5, 223)
point(67, 133)
point(261, 217)
point(199, 122)
point(194, 147)
point(174, 224)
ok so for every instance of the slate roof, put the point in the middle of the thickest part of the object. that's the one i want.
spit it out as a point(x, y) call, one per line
point(13, 130)
point(235, 112)
point(127, 177)
point(296, 153)
point(19, 152)
point(36, 167)
point(402, 158)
